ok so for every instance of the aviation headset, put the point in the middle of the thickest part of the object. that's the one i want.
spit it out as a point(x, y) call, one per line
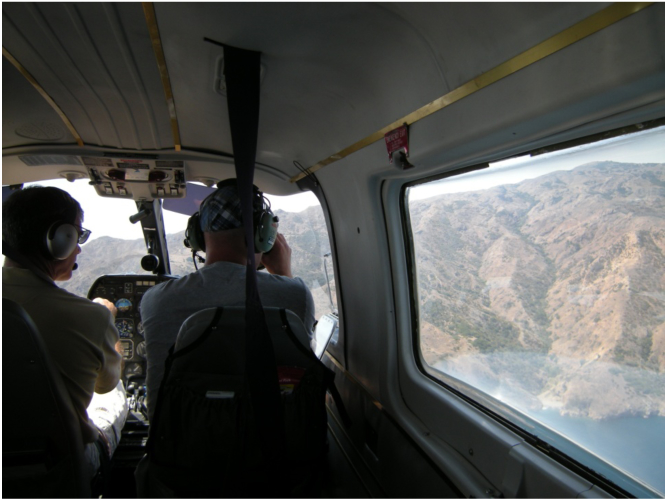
point(265, 223)
point(61, 240)
point(42, 220)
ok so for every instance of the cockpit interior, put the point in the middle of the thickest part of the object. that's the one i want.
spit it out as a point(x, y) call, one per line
point(483, 235)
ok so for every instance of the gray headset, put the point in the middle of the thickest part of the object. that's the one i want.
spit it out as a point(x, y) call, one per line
point(61, 240)
point(264, 224)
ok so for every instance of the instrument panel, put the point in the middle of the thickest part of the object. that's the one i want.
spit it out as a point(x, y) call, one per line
point(126, 292)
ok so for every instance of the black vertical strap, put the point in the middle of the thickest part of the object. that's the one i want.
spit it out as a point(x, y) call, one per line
point(329, 375)
point(242, 72)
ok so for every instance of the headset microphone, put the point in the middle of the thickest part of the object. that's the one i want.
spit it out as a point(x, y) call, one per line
point(75, 267)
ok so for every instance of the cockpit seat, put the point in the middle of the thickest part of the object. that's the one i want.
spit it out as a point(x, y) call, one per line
point(42, 448)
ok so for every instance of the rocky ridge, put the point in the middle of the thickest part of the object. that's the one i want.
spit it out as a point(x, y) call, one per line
point(550, 292)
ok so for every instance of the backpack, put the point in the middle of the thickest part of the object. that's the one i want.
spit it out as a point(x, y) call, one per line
point(204, 439)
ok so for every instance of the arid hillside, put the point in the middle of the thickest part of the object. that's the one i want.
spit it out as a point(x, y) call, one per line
point(550, 292)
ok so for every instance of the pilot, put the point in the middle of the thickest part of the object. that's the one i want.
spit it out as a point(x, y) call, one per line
point(220, 282)
point(41, 231)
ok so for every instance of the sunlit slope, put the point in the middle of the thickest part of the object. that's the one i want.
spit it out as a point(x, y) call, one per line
point(555, 284)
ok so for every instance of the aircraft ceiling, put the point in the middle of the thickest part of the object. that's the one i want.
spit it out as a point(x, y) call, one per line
point(332, 74)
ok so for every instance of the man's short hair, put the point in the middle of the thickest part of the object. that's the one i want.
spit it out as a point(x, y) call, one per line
point(28, 214)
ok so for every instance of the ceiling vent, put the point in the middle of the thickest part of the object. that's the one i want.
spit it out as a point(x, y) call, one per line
point(72, 175)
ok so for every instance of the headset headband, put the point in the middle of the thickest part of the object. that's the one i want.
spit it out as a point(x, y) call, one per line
point(221, 210)
point(226, 214)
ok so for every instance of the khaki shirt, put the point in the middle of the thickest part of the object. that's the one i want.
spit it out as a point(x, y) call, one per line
point(79, 334)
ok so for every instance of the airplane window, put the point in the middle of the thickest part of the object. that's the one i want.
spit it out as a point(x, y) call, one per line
point(540, 284)
point(302, 222)
point(306, 233)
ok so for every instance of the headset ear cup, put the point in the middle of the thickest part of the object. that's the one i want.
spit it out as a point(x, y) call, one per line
point(266, 231)
point(61, 240)
point(194, 236)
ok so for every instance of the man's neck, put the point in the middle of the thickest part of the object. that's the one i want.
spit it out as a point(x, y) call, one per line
point(213, 257)
point(227, 246)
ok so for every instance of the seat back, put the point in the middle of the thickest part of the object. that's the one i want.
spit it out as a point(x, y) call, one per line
point(204, 439)
point(291, 342)
point(42, 447)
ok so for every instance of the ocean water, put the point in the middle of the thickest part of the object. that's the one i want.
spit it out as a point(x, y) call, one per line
point(635, 445)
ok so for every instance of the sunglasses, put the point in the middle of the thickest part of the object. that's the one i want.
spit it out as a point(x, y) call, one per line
point(83, 235)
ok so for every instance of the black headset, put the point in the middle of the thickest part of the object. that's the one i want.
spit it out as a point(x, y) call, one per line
point(265, 223)
point(61, 240)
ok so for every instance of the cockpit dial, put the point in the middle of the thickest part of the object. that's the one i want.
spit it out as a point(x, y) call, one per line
point(133, 369)
point(125, 327)
point(127, 347)
point(124, 305)
point(140, 328)
point(141, 349)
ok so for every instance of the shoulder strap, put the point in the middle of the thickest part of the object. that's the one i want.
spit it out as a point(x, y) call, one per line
point(331, 386)
point(329, 375)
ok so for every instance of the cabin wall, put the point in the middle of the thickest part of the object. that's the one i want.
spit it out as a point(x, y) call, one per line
point(611, 79)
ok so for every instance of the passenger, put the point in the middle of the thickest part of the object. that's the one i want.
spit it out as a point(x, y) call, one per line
point(221, 282)
point(79, 334)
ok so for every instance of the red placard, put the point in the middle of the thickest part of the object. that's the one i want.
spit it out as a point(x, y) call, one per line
point(289, 378)
point(396, 140)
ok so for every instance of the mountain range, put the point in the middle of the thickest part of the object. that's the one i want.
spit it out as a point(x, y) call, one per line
point(550, 292)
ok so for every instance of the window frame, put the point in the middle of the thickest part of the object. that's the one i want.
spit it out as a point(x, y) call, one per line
point(502, 414)
point(337, 348)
